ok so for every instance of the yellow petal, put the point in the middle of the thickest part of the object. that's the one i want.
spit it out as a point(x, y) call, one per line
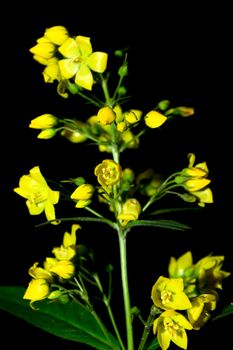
point(164, 338)
point(68, 68)
point(69, 49)
point(84, 45)
point(97, 61)
point(44, 50)
point(37, 289)
point(181, 339)
point(56, 34)
point(84, 77)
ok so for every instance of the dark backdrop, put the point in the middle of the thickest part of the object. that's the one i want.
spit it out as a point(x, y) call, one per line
point(180, 53)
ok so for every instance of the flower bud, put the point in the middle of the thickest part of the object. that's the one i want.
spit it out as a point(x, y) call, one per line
point(154, 119)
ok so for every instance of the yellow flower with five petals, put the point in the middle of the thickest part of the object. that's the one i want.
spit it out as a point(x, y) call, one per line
point(171, 326)
point(80, 61)
point(168, 293)
point(40, 197)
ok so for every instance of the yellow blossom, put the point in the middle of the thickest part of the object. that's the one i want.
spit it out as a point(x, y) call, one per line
point(204, 196)
point(57, 34)
point(67, 250)
point(168, 293)
point(196, 184)
point(80, 60)
point(130, 211)
point(44, 49)
point(51, 71)
point(182, 266)
point(132, 116)
point(209, 271)
point(44, 121)
point(108, 172)
point(40, 273)
point(63, 268)
point(46, 134)
point(69, 239)
point(37, 289)
point(154, 119)
point(40, 197)
point(106, 115)
point(62, 253)
point(199, 313)
point(82, 195)
point(171, 326)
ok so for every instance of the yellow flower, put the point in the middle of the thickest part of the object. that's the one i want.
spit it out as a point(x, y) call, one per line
point(106, 115)
point(208, 270)
point(67, 250)
point(44, 121)
point(40, 273)
point(167, 293)
point(199, 313)
point(130, 211)
point(154, 119)
point(196, 184)
point(51, 71)
point(63, 268)
point(199, 170)
point(108, 172)
point(80, 60)
point(204, 196)
point(182, 266)
point(171, 326)
point(69, 239)
point(82, 195)
point(57, 34)
point(40, 197)
point(132, 116)
point(62, 253)
point(43, 50)
point(37, 289)
point(46, 134)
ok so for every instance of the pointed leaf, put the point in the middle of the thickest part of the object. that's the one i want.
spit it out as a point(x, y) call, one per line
point(228, 310)
point(170, 210)
point(169, 224)
point(71, 321)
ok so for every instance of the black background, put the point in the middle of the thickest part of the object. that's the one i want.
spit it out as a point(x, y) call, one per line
point(176, 52)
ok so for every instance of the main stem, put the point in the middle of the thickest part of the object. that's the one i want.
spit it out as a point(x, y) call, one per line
point(125, 287)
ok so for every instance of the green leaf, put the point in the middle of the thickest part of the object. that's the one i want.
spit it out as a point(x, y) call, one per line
point(71, 321)
point(169, 224)
point(153, 345)
point(170, 210)
point(228, 310)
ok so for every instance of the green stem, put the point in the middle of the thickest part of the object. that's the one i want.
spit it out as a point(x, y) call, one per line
point(153, 312)
point(94, 212)
point(109, 309)
point(106, 92)
point(125, 287)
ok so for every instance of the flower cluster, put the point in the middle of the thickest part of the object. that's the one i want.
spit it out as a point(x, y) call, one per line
point(58, 268)
point(119, 197)
point(190, 288)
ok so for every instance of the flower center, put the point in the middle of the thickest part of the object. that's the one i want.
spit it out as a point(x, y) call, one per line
point(166, 296)
point(37, 197)
point(171, 327)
